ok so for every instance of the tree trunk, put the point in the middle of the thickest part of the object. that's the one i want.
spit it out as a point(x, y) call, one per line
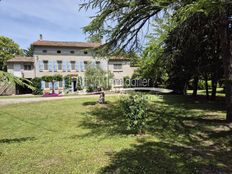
point(206, 87)
point(195, 85)
point(214, 88)
point(227, 60)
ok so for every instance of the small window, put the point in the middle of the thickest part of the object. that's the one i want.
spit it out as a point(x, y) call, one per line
point(59, 65)
point(27, 67)
point(45, 65)
point(72, 52)
point(73, 65)
point(45, 51)
point(117, 66)
point(58, 51)
point(46, 84)
point(60, 84)
point(85, 52)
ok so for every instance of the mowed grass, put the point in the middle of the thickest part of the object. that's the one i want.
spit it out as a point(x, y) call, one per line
point(79, 136)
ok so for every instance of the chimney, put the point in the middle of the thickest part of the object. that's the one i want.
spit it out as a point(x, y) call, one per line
point(40, 37)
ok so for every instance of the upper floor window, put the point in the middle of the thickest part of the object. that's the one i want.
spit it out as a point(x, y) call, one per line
point(59, 65)
point(117, 66)
point(73, 65)
point(72, 52)
point(45, 62)
point(85, 52)
point(27, 67)
point(45, 51)
point(58, 51)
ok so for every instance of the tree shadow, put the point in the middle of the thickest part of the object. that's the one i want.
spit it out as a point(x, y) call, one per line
point(105, 120)
point(194, 138)
point(89, 103)
point(16, 140)
point(161, 158)
point(199, 102)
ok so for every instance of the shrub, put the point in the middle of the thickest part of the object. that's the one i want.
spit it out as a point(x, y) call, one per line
point(36, 82)
point(134, 109)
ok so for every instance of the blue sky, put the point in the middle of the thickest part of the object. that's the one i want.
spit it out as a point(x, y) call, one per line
point(24, 20)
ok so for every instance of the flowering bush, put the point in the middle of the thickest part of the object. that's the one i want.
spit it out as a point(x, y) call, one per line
point(134, 109)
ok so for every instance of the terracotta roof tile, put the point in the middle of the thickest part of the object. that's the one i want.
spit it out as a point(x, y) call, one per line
point(65, 44)
point(21, 59)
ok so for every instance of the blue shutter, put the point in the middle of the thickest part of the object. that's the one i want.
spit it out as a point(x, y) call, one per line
point(56, 85)
point(50, 67)
point(50, 85)
point(63, 83)
point(41, 65)
point(82, 66)
point(64, 66)
point(42, 84)
point(69, 66)
point(55, 65)
point(94, 63)
point(77, 66)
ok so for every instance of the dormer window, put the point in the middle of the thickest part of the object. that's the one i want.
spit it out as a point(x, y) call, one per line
point(58, 51)
point(72, 52)
point(45, 51)
point(85, 52)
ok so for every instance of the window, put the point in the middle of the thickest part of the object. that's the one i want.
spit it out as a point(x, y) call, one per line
point(59, 65)
point(46, 84)
point(73, 65)
point(44, 51)
point(27, 67)
point(118, 66)
point(58, 51)
point(85, 52)
point(45, 65)
point(72, 52)
point(60, 84)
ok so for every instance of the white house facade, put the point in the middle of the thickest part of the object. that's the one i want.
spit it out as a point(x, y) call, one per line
point(66, 58)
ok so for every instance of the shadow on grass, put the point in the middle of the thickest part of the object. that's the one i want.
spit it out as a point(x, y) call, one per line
point(161, 158)
point(195, 139)
point(106, 119)
point(16, 140)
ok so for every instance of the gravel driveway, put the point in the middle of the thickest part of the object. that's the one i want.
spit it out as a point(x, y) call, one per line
point(7, 101)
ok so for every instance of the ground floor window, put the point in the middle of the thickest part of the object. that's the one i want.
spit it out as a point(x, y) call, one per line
point(60, 84)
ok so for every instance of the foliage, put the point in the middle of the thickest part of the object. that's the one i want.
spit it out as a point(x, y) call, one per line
point(134, 109)
point(68, 81)
point(29, 51)
point(96, 77)
point(8, 50)
point(37, 84)
point(79, 83)
point(10, 78)
point(52, 78)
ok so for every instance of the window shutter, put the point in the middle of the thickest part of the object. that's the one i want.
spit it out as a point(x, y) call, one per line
point(55, 65)
point(82, 82)
point(77, 66)
point(69, 65)
point(50, 67)
point(56, 84)
point(41, 65)
point(82, 66)
point(94, 63)
point(64, 66)
point(42, 84)
point(50, 85)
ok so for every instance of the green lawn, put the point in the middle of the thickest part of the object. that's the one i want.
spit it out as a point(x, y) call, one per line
point(80, 136)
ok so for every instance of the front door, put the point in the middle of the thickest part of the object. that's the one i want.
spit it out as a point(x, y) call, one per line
point(74, 85)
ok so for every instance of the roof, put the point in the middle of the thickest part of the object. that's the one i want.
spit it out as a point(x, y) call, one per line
point(21, 59)
point(66, 44)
